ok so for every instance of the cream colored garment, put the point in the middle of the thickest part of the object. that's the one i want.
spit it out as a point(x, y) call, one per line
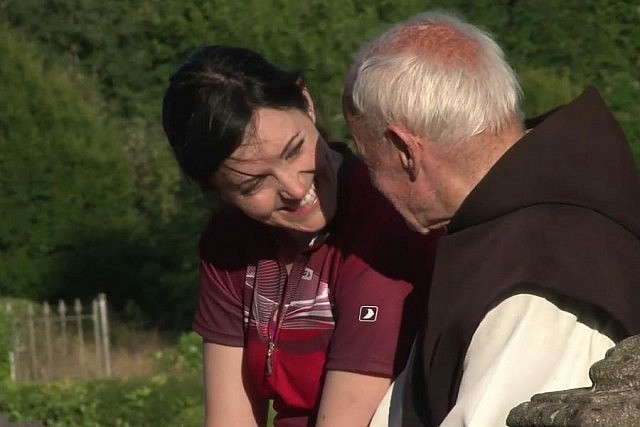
point(389, 412)
point(525, 345)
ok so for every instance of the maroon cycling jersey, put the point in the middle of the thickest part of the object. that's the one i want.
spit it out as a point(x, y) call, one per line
point(347, 303)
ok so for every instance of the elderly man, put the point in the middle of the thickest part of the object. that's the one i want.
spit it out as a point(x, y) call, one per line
point(539, 271)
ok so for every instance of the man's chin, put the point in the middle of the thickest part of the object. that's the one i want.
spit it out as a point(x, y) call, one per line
point(438, 226)
point(414, 226)
point(426, 229)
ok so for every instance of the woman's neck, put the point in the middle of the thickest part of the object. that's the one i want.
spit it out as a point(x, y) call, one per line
point(290, 244)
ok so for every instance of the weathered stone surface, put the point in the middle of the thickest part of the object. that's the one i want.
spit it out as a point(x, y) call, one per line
point(612, 401)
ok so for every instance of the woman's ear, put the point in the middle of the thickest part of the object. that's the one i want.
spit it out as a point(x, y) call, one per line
point(307, 96)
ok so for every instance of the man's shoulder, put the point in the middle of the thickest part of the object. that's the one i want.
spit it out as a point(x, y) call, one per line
point(557, 250)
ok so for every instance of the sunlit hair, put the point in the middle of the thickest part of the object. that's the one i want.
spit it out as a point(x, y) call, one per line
point(439, 77)
point(211, 102)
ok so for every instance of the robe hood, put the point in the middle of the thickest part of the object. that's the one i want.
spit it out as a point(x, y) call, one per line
point(544, 167)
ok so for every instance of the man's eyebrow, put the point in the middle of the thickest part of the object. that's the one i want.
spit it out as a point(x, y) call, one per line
point(288, 144)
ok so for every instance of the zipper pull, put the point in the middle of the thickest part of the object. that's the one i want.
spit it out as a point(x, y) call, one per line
point(269, 353)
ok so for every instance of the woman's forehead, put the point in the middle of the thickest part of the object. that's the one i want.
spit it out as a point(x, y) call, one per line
point(270, 134)
point(241, 167)
point(253, 157)
point(256, 151)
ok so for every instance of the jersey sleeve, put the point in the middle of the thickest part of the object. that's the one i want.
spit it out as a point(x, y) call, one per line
point(373, 331)
point(381, 290)
point(219, 308)
point(219, 316)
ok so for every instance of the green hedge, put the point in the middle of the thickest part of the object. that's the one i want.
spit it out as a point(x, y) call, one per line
point(71, 220)
point(162, 400)
point(64, 179)
point(173, 397)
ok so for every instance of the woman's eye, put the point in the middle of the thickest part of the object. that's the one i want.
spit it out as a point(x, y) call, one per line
point(252, 187)
point(295, 150)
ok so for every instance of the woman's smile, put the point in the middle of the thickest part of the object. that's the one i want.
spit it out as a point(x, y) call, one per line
point(283, 174)
point(307, 204)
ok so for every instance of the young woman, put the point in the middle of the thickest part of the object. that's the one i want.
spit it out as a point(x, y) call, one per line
point(307, 274)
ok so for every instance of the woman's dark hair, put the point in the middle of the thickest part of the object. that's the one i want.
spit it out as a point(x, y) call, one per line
point(211, 100)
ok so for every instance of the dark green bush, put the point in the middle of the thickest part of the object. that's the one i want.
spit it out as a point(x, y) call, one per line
point(70, 222)
point(64, 180)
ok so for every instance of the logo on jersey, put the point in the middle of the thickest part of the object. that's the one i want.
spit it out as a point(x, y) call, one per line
point(368, 313)
point(307, 274)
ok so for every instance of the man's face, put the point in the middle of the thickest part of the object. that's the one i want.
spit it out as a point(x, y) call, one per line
point(386, 171)
point(417, 195)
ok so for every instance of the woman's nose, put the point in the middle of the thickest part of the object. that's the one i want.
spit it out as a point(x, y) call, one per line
point(293, 187)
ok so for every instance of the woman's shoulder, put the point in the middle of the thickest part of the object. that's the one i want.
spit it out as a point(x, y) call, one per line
point(230, 240)
point(354, 185)
point(371, 228)
point(361, 205)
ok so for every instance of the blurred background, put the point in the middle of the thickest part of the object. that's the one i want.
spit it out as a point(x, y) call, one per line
point(91, 200)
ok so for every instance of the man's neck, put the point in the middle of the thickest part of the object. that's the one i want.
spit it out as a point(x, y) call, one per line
point(465, 164)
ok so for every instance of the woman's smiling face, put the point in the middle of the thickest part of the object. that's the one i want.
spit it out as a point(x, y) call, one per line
point(283, 173)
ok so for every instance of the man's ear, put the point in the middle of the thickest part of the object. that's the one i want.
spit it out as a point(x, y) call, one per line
point(407, 146)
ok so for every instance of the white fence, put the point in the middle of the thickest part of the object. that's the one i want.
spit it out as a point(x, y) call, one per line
point(52, 344)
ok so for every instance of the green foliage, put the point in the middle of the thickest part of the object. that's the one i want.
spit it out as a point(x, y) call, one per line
point(546, 88)
point(157, 401)
point(171, 397)
point(90, 101)
point(593, 42)
point(110, 44)
point(69, 226)
point(132, 47)
point(185, 357)
point(63, 177)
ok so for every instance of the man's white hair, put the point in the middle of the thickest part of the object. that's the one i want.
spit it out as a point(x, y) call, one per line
point(444, 97)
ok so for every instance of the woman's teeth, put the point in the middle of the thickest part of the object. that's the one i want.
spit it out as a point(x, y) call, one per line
point(309, 197)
